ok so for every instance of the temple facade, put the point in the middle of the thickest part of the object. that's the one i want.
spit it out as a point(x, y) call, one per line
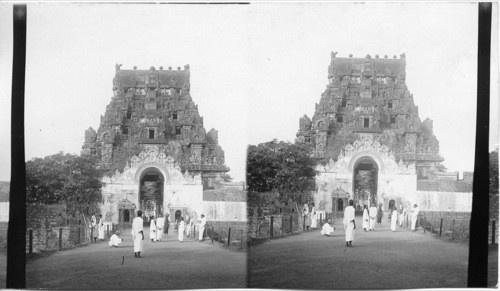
point(367, 135)
point(155, 151)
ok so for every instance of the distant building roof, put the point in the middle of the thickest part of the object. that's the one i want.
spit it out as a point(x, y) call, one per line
point(4, 191)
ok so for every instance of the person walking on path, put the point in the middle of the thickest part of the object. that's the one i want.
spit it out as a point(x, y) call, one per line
point(180, 230)
point(152, 229)
point(160, 222)
point(166, 226)
point(414, 217)
point(366, 218)
point(373, 216)
point(394, 219)
point(379, 215)
point(349, 223)
point(307, 217)
point(100, 228)
point(203, 223)
point(138, 234)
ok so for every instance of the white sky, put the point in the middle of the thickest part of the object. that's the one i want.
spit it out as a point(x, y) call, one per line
point(255, 69)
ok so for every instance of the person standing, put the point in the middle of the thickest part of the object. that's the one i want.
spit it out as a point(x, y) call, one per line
point(166, 226)
point(379, 215)
point(349, 223)
point(373, 216)
point(160, 222)
point(152, 229)
point(366, 218)
point(180, 229)
point(314, 221)
point(138, 234)
point(401, 215)
point(203, 223)
point(394, 219)
point(414, 217)
point(101, 228)
point(95, 227)
point(188, 225)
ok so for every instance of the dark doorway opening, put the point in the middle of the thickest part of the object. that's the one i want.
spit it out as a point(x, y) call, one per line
point(365, 182)
point(151, 192)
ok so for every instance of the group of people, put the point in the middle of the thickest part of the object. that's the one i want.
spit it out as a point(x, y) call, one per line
point(310, 219)
point(370, 215)
point(160, 226)
point(97, 224)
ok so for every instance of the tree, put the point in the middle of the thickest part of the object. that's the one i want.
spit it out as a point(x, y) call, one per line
point(64, 178)
point(494, 172)
point(282, 167)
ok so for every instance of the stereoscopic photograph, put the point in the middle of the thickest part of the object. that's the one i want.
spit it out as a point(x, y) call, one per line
point(282, 145)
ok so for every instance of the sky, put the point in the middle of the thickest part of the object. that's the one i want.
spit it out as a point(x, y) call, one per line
point(255, 69)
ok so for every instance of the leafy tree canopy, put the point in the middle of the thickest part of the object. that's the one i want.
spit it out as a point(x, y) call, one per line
point(64, 178)
point(285, 168)
point(494, 172)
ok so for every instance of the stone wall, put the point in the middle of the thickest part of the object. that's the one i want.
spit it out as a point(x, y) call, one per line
point(443, 201)
point(56, 238)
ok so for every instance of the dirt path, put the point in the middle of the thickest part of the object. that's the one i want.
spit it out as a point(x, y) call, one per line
point(379, 259)
point(167, 264)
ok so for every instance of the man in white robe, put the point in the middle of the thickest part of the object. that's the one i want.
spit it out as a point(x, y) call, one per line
point(373, 216)
point(180, 230)
point(101, 228)
point(314, 221)
point(349, 223)
point(138, 234)
point(189, 224)
point(114, 240)
point(394, 219)
point(152, 229)
point(327, 229)
point(414, 217)
point(366, 218)
point(160, 221)
point(203, 224)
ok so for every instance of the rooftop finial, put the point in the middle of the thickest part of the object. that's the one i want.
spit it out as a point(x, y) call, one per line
point(350, 55)
point(376, 56)
point(386, 56)
point(152, 68)
point(135, 67)
point(161, 68)
point(169, 68)
point(394, 56)
point(178, 68)
point(334, 54)
point(402, 55)
point(368, 56)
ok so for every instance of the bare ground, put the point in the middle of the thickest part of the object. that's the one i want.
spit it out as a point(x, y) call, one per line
point(379, 259)
point(168, 264)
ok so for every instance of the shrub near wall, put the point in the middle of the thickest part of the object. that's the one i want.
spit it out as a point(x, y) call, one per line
point(455, 224)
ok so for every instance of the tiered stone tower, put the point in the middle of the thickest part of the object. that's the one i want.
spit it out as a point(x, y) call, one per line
point(369, 97)
point(154, 109)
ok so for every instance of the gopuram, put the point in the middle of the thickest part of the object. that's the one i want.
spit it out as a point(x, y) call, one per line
point(157, 155)
point(371, 144)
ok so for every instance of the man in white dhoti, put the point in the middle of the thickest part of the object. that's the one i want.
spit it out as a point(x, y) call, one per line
point(314, 221)
point(101, 228)
point(327, 228)
point(152, 229)
point(114, 240)
point(366, 218)
point(138, 234)
point(349, 223)
point(180, 230)
point(414, 217)
point(373, 216)
point(203, 223)
point(160, 221)
point(394, 219)
point(189, 223)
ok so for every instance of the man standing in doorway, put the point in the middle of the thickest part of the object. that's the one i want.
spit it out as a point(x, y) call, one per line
point(349, 223)
point(203, 223)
